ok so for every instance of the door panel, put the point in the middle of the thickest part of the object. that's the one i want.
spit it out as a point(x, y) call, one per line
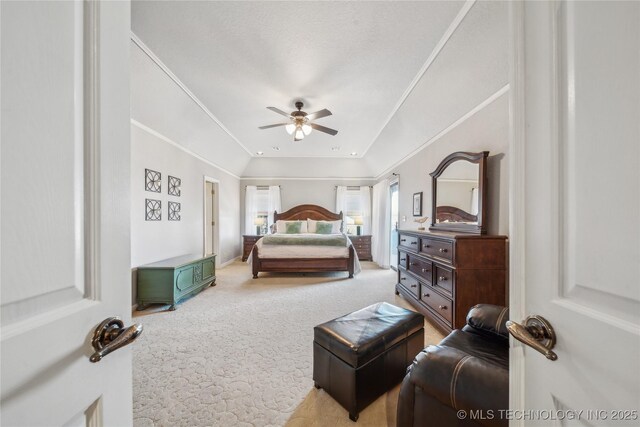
point(581, 247)
point(65, 210)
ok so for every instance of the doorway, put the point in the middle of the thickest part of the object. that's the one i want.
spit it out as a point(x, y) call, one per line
point(393, 239)
point(211, 209)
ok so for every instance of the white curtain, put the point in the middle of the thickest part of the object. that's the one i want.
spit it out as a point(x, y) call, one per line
point(341, 192)
point(381, 224)
point(365, 203)
point(274, 204)
point(250, 209)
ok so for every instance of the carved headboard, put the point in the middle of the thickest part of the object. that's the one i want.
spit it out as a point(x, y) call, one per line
point(452, 214)
point(304, 212)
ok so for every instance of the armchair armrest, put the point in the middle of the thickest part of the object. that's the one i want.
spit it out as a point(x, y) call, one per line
point(461, 381)
point(489, 319)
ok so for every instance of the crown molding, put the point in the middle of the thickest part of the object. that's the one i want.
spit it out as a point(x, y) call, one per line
point(175, 144)
point(434, 54)
point(144, 48)
point(448, 129)
point(304, 178)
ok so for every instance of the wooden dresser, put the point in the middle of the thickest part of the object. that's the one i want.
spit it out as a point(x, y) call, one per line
point(444, 274)
point(362, 245)
point(248, 240)
point(171, 280)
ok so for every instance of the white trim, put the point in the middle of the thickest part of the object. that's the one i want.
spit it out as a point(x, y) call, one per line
point(436, 51)
point(231, 261)
point(216, 215)
point(176, 80)
point(517, 211)
point(175, 144)
point(448, 129)
point(282, 178)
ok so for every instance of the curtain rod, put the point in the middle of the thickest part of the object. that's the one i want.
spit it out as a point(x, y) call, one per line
point(261, 186)
point(353, 187)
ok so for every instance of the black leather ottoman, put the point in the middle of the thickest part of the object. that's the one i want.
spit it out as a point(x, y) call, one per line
point(360, 356)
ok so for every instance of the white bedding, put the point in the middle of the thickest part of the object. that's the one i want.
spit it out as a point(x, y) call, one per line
point(304, 251)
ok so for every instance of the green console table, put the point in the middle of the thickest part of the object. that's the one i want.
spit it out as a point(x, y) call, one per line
point(171, 280)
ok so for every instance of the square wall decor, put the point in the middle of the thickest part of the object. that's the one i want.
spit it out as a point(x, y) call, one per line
point(174, 211)
point(174, 186)
point(153, 210)
point(152, 181)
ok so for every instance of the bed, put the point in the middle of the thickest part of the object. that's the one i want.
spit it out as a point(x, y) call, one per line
point(306, 258)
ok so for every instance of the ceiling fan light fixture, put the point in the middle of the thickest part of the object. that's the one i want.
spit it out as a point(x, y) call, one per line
point(306, 129)
point(290, 128)
point(299, 133)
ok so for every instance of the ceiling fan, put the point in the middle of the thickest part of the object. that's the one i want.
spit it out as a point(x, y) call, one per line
point(299, 123)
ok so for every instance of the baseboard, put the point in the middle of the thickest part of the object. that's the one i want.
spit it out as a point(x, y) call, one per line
point(231, 261)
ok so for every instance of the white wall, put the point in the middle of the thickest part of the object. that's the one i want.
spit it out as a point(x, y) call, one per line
point(486, 130)
point(155, 240)
point(303, 191)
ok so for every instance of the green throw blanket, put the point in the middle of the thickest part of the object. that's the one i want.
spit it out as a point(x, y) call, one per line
point(306, 239)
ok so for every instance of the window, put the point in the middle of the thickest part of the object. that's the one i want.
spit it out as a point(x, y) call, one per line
point(260, 203)
point(355, 204)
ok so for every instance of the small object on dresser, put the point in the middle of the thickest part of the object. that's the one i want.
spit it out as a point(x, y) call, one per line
point(258, 222)
point(421, 221)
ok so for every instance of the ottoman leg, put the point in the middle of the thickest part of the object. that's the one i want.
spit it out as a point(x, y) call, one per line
point(353, 417)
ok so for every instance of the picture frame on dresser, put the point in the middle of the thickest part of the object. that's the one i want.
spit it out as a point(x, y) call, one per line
point(417, 204)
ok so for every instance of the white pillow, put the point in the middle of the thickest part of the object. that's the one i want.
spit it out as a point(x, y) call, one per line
point(281, 226)
point(336, 226)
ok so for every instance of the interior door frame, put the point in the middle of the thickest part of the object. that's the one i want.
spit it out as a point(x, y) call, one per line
point(517, 204)
point(394, 181)
point(216, 215)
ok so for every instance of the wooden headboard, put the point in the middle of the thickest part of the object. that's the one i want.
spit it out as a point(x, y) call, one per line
point(452, 214)
point(303, 212)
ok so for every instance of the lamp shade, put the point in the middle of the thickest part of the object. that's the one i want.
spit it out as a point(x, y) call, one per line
point(290, 128)
point(357, 220)
point(306, 129)
point(299, 134)
point(258, 221)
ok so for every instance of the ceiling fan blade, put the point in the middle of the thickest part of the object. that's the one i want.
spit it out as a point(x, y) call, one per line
point(279, 111)
point(273, 126)
point(324, 129)
point(319, 114)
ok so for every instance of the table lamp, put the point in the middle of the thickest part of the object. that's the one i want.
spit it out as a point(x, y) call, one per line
point(357, 220)
point(258, 223)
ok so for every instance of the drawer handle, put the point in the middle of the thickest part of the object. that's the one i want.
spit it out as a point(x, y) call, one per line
point(426, 295)
point(414, 243)
point(443, 250)
point(426, 246)
point(403, 278)
point(403, 240)
point(403, 259)
point(414, 285)
point(442, 307)
point(442, 279)
point(412, 263)
point(424, 270)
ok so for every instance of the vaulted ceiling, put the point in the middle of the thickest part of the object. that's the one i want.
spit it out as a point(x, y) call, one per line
point(394, 74)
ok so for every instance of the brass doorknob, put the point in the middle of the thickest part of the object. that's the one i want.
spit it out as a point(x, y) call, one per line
point(536, 332)
point(111, 335)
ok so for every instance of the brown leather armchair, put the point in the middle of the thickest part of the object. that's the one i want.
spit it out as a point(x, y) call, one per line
point(464, 380)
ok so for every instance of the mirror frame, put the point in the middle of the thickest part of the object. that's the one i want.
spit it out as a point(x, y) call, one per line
point(480, 159)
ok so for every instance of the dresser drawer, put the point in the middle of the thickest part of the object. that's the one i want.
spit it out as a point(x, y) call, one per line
point(444, 279)
point(441, 305)
point(403, 258)
point(422, 268)
point(407, 241)
point(437, 248)
point(410, 283)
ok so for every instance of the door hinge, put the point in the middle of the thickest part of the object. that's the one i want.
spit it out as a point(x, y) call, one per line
point(213, 223)
point(213, 191)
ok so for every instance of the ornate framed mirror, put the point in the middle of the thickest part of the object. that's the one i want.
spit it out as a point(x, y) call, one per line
point(459, 193)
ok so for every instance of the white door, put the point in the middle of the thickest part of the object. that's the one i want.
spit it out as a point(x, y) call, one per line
point(65, 211)
point(576, 209)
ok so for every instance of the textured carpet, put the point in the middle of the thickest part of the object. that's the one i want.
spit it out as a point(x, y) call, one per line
point(240, 353)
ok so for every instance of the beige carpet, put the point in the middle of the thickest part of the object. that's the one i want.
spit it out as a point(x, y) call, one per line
point(240, 353)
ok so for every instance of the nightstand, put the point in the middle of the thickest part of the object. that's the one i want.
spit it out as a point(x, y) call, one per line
point(248, 240)
point(362, 245)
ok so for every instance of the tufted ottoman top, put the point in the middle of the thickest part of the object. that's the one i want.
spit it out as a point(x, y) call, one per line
point(363, 335)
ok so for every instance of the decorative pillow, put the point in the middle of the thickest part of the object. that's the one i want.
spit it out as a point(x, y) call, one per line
point(324, 228)
point(281, 226)
point(293, 227)
point(336, 226)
